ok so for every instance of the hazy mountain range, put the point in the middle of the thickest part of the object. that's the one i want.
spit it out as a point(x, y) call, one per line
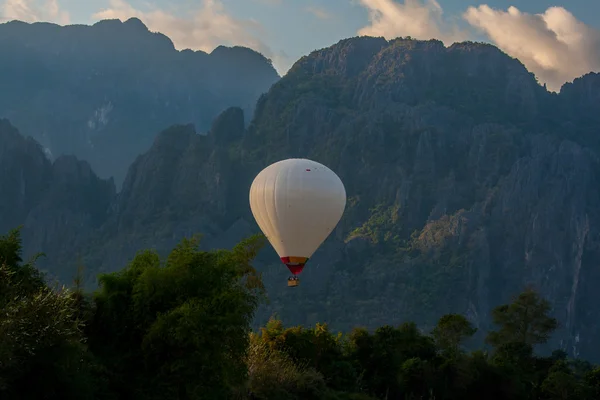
point(103, 92)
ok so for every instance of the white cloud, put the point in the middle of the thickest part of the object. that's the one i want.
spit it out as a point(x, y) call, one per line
point(413, 18)
point(553, 45)
point(202, 29)
point(34, 11)
point(319, 12)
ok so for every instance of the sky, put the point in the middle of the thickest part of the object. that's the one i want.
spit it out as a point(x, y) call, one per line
point(556, 42)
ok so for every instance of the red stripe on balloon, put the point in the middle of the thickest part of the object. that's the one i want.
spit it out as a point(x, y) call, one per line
point(294, 267)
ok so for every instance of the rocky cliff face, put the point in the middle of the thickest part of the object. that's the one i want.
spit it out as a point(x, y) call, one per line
point(59, 204)
point(496, 177)
point(103, 92)
point(466, 182)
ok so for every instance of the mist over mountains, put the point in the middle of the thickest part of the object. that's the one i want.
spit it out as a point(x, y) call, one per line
point(102, 92)
point(466, 179)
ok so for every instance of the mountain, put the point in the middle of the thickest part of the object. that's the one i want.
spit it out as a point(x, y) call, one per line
point(60, 204)
point(103, 92)
point(467, 181)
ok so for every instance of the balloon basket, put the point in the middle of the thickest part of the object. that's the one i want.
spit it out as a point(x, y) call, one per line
point(293, 282)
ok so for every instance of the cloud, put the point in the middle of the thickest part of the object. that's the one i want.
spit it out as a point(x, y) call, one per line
point(33, 11)
point(318, 12)
point(413, 18)
point(202, 29)
point(555, 46)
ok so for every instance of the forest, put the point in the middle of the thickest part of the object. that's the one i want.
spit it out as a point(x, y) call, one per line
point(180, 328)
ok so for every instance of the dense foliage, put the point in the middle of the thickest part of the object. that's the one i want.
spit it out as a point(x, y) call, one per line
point(179, 328)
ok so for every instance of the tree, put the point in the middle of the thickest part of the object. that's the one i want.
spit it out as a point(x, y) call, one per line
point(591, 380)
point(317, 348)
point(42, 354)
point(178, 328)
point(522, 324)
point(451, 330)
point(561, 384)
point(380, 356)
point(524, 321)
point(25, 278)
point(273, 374)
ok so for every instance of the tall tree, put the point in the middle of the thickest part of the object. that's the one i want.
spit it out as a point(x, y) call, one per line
point(42, 355)
point(526, 321)
point(178, 328)
point(451, 330)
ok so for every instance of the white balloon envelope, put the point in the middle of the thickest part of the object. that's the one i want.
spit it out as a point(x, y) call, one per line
point(297, 203)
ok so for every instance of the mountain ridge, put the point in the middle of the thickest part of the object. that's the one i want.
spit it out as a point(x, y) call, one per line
point(462, 189)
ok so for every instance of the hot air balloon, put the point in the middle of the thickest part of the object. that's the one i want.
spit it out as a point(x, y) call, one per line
point(297, 203)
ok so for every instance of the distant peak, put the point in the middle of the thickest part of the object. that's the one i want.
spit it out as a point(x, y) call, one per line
point(136, 23)
point(176, 136)
point(590, 77)
point(108, 22)
point(228, 126)
point(584, 87)
point(132, 23)
point(230, 49)
point(219, 48)
point(480, 46)
point(224, 51)
point(7, 128)
point(16, 22)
